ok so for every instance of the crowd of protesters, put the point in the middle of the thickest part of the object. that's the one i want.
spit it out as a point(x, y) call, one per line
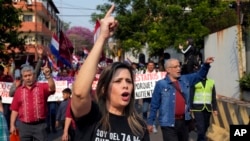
point(14, 71)
point(11, 72)
point(35, 117)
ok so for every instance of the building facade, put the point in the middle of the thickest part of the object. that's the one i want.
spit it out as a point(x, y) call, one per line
point(39, 21)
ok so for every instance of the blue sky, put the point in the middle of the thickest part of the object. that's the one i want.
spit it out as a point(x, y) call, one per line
point(82, 8)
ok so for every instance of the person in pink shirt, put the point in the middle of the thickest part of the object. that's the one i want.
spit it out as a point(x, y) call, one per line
point(29, 104)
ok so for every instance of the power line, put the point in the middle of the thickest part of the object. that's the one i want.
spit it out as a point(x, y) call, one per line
point(63, 7)
point(64, 3)
point(70, 6)
point(75, 15)
point(77, 8)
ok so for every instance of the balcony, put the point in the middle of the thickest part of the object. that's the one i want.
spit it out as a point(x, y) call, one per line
point(35, 27)
point(38, 8)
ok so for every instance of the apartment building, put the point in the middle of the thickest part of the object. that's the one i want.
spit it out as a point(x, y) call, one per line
point(39, 22)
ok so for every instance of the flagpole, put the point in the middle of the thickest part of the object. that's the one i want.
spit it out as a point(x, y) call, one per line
point(74, 45)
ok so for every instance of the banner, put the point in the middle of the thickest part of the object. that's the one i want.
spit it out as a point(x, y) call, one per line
point(145, 83)
point(60, 86)
point(5, 88)
point(4, 92)
point(144, 86)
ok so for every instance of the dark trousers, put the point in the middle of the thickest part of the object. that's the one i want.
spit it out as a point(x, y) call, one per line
point(189, 66)
point(51, 117)
point(32, 132)
point(62, 123)
point(202, 120)
point(138, 106)
point(177, 133)
point(145, 107)
point(71, 133)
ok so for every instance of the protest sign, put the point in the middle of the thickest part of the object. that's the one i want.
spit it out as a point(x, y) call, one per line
point(144, 86)
point(4, 92)
point(60, 85)
point(145, 83)
point(5, 89)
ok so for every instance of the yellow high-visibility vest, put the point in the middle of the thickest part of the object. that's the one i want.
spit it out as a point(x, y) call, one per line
point(203, 95)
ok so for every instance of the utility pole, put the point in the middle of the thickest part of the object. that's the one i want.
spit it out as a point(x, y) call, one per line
point(241, 50)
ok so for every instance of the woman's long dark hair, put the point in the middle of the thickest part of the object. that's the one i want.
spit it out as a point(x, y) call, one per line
point(190, 41)
point(136, 123)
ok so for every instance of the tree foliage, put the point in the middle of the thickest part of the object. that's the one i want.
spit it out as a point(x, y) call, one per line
point(80, 37)
point(167, 23)
point(66, 26)
point(9, 24)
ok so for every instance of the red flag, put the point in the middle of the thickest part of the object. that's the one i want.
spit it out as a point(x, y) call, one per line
point(97, 30)
point(65, 49)
point(96, 34)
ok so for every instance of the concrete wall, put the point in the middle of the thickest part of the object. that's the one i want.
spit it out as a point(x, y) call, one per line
point(225, 70)
point(247, 43)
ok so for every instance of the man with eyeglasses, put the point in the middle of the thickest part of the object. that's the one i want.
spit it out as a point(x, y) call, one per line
point(171, 96)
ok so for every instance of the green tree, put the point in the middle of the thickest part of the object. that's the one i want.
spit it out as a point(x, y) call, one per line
point(168, 23)
point(9, 24)
point(66, 26)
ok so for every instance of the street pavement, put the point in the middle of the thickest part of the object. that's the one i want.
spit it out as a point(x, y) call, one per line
point(153, 137)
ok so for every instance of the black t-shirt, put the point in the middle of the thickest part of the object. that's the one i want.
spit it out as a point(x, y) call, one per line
point(87, 128)
point(189, 53)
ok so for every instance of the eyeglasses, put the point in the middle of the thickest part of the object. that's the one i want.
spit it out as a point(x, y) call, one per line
point(175, 67)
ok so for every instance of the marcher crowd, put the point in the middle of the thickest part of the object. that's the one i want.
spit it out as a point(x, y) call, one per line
point(109, 112)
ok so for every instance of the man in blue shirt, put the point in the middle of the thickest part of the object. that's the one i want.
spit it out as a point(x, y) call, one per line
point(171, 97)
point(60, 115)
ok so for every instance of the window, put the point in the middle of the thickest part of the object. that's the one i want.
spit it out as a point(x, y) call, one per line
point(15, 1)
point(42, 40)
point(29, 2)
point(27, 18)
point(49, 8)
point(29, 40)
point(47, 24)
